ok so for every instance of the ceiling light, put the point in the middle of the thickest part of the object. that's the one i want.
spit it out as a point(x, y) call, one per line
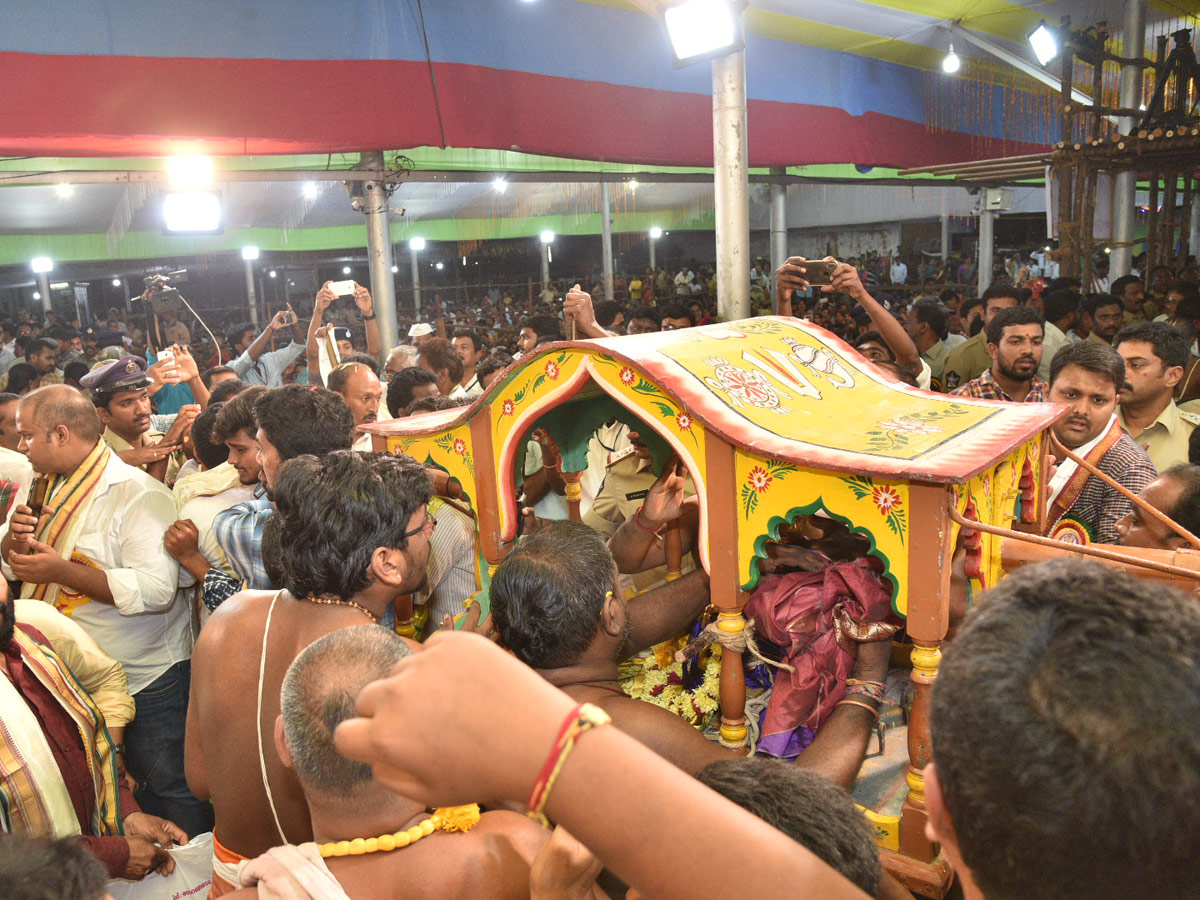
point(192, 211)
point(951, 63)
point(116, 282)
point(190, 171)
point(37, 295)
point(439, 266)
point(1044, 43)
point(59, 285)
point(271, 274)
point(64, 190)
point(464, 260)
point(310, 190)
point(547, 236)
point(1108, 249)
point(41, 264)
point(655, 233)
point(395, 269)
point(633, 184)
point(345, 270)
point(249, 252)
point(417, 243)
point(702, 29)
point(499, 184)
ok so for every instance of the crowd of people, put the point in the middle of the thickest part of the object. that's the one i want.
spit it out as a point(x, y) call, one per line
point(200, 550)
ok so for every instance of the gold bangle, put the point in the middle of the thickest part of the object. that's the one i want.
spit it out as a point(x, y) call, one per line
point(851, 702)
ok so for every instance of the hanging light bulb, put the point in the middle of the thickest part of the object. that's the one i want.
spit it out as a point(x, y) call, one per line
point(951, 63)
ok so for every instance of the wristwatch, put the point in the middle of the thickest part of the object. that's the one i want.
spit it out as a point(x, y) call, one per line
point(363, 318)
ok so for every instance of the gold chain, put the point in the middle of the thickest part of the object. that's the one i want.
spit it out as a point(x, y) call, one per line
point(331, 601)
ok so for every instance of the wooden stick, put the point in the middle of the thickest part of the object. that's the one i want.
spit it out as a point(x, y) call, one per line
point(1128, 494)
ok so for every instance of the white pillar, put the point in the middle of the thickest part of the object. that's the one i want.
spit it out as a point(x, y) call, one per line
point(945, 238)
point(44, 288)
point(779, 253)
point(653, 266)
point(545, 266)
point(1133, 38)
point(1194, 231)
point(987, 222)
point(251, 294)
point(379, 253)
point(416, 279)
point(731, 186)
point(606, 237)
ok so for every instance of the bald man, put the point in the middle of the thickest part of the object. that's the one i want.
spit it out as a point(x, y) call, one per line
point(96, 553)
point(361, 389)
point(491, 859)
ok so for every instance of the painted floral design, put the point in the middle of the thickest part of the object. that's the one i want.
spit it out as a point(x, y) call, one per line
point(895, 433)
point(886, 498)
point(684, 421)
point(508, 408)
point(552, 370)
point(459, 446)
point(758, 480)
point(627, 376)
point(903, 426)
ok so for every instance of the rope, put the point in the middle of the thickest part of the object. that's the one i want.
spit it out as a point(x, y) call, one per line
point(741, 642)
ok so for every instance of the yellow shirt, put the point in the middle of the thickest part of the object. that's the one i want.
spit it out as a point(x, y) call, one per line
point(1165, 440)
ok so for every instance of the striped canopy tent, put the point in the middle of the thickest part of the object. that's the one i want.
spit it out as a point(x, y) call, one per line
point(841, 90)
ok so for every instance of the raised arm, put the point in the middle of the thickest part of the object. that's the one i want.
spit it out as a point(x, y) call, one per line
point(366, 311)
point(324, 297)
point(577, 307)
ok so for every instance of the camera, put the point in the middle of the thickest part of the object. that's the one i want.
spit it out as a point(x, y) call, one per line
point(163, 297)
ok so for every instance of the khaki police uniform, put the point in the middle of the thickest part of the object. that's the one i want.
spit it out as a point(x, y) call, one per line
point(1165, 440)
point(967, 361)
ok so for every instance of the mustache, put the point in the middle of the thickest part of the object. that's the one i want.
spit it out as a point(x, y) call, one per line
point(1127, 386)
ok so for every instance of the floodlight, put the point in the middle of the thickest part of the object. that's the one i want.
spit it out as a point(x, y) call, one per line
point(395, 269)
point(310, 190)
point(190, 171)
point(655, 233)
point(440, 266)
point(37, 295)
point(192, 211)
point(249, 252)
point(59, 285)
point(116, 282)
point(547, 236)
point(1044, 42)
point(951, 63)
point(417, 243)
point(64, 190)
point(345, 270)
point(41, 264)
point(633, 184)
point(499, 184)
point(702, 29)
point(271, 274)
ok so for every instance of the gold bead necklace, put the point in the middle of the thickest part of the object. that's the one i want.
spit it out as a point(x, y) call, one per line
point(450, 818)
point(333, 601)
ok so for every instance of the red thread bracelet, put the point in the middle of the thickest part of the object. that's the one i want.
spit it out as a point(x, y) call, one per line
point(582, 718)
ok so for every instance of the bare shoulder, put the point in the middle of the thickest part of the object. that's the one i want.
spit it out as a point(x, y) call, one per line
point(236, 620)
point(663, 732)
point(521, 832)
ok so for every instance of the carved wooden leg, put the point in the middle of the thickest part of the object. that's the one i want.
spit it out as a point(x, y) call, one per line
point(404, 617)
point(913, 843)
point(673, 551)
point(733, 685)
point(574, 495)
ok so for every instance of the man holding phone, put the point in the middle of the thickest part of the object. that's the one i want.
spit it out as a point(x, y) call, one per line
point(258, 364)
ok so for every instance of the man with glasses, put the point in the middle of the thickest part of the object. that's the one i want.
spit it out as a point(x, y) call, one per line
point(351, 534)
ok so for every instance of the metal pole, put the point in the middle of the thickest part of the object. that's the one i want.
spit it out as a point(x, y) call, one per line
point(44, 287)
point(416, 276)
point(731, 186)
point(251, 298)
point(779, 252)
point(379, 253)
point(606, 237)
point(987, 221)
point(945, 238)
point(655, 267)
point(545, 266)
point(1194, 233)
point(1120, 261)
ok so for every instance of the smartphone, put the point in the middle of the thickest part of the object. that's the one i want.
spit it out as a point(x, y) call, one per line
point(342, 288)
point(37, 498)
point(289, 317)
point(816, 271)
point(166, 354)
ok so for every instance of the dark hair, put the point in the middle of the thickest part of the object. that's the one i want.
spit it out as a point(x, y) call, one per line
point(211, 453)
point(548, 594)
point(493, 362)
point(207, 376)
point(74, 370)
point(1093, 302)
point(226, 390)
point(932, 315)
point(237, 414)
point(335, 510)
point(643, 312)
point(8, 397)
point(42, 869)
point(39, 345)
point(432, 404)
point(1117, 287)
point(1000, 290)
point(1060, 304)
point(320, 691)
point(438, 354)
point(872, 337)
point(1052, 792)
point(1170, 345)
point(1091, 356)
point(1008, 318)
point(808, 808)
point(21, 376)
point(298, 420)
point(1187, 509)
point(22, 341)
point(234, 335)
point(470, 334)
point(365, 359)
point(675, 311)
point(606, 312)
point(1189, 290)
point(545, 327)
point(899, 372)
point(1065, 283)
point(969, 304)
point(400, 388)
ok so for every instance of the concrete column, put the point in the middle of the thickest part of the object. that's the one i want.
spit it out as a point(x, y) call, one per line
point(987, 242)
point(653, 266)
point(251, 293)
point(416, 279)
point(1194, 231)
point(945, 238)
point(606, 237)
point(779, 252)
point(379, 253)
point(545, 266)
point(1133, 37)
point(44, 289)
point(731, 186)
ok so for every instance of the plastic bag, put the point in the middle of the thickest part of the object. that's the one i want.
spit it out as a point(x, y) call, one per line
point(189, 881)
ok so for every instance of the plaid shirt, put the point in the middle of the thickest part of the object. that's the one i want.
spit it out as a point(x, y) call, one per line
point(239, 531)
point(1099, 506)
point(985, 388)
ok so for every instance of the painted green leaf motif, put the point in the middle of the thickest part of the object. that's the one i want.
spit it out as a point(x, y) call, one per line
point(664, 410)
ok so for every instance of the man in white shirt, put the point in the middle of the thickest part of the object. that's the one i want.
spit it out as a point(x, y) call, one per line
point(471, 348)
point(96, 553)
point(899, 271)
point(14, 466)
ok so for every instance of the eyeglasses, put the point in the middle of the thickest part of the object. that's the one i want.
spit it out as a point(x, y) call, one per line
point(430, 523)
